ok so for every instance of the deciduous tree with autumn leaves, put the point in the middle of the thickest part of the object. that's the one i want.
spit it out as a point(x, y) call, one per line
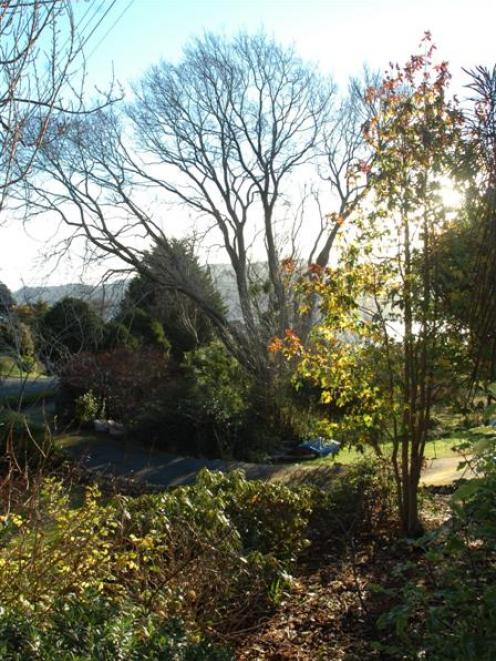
point(379, 351)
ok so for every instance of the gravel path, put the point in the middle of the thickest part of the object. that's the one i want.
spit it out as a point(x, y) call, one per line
point(440, 472)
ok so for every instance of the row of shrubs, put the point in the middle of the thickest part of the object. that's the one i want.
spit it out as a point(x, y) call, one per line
point(176, 574)
point(164, 576)
point(205, 404)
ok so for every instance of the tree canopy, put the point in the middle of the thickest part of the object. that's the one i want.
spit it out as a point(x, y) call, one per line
point(222, 133)
point(70, 327)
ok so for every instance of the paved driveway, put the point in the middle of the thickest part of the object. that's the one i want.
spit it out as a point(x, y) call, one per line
point(114, 456)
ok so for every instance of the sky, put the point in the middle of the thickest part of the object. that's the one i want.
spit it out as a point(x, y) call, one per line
point(339, 35)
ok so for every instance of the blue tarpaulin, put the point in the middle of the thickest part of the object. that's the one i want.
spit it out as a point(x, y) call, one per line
point(321, 446)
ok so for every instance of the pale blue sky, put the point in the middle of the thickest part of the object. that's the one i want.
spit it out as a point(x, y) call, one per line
point(341, 35)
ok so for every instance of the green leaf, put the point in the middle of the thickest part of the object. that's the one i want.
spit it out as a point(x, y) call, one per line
point(467, 490)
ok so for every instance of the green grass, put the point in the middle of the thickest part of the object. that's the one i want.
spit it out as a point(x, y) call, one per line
point(438, 449)
point(15, 367)
point(442, 447)
point(68, 439)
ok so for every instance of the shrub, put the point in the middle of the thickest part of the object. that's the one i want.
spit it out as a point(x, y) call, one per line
point(86, 408)
point(122, 379)
point(230, 414)
point(218, 396)
point(207, 406)
point(270, 517)
point(15, 365)
point(70, 326)
point(16, 338)
point(209, 554)
point(447, 604)
point(117, 336)
point(221, 550)
point(93, 627)
point(145, 330)
point(357, 501)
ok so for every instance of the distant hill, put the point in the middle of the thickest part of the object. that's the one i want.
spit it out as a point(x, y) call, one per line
point(225, 281)
point(106, 298)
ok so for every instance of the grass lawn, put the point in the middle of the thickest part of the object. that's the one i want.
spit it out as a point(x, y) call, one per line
point(11, 367)
point(438, 449)
point(69, 438)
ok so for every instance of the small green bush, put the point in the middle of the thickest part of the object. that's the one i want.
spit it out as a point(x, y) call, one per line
point(19, 366)
point(92, 627)
point(86, 408)
point(218, 396)
point(270, 517)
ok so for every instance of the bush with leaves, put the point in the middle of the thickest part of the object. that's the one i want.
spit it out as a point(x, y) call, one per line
point(218, 397)
point(87, 408)
point(118, 336)
point(211, 555)
point(447, 605)
point(184, 324)
point(270, 517)
point(232, 415)
point(145, 330)
point(358, 501)
point(69, 327)
point(94, 627)
point(207, 406)
point(16, 338)
point(122, 380)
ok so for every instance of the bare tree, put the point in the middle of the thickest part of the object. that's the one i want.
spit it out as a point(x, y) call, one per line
point(223, 133)
point(35, 61)
point(233, 120)
point(42, 73)
point(346, 161)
